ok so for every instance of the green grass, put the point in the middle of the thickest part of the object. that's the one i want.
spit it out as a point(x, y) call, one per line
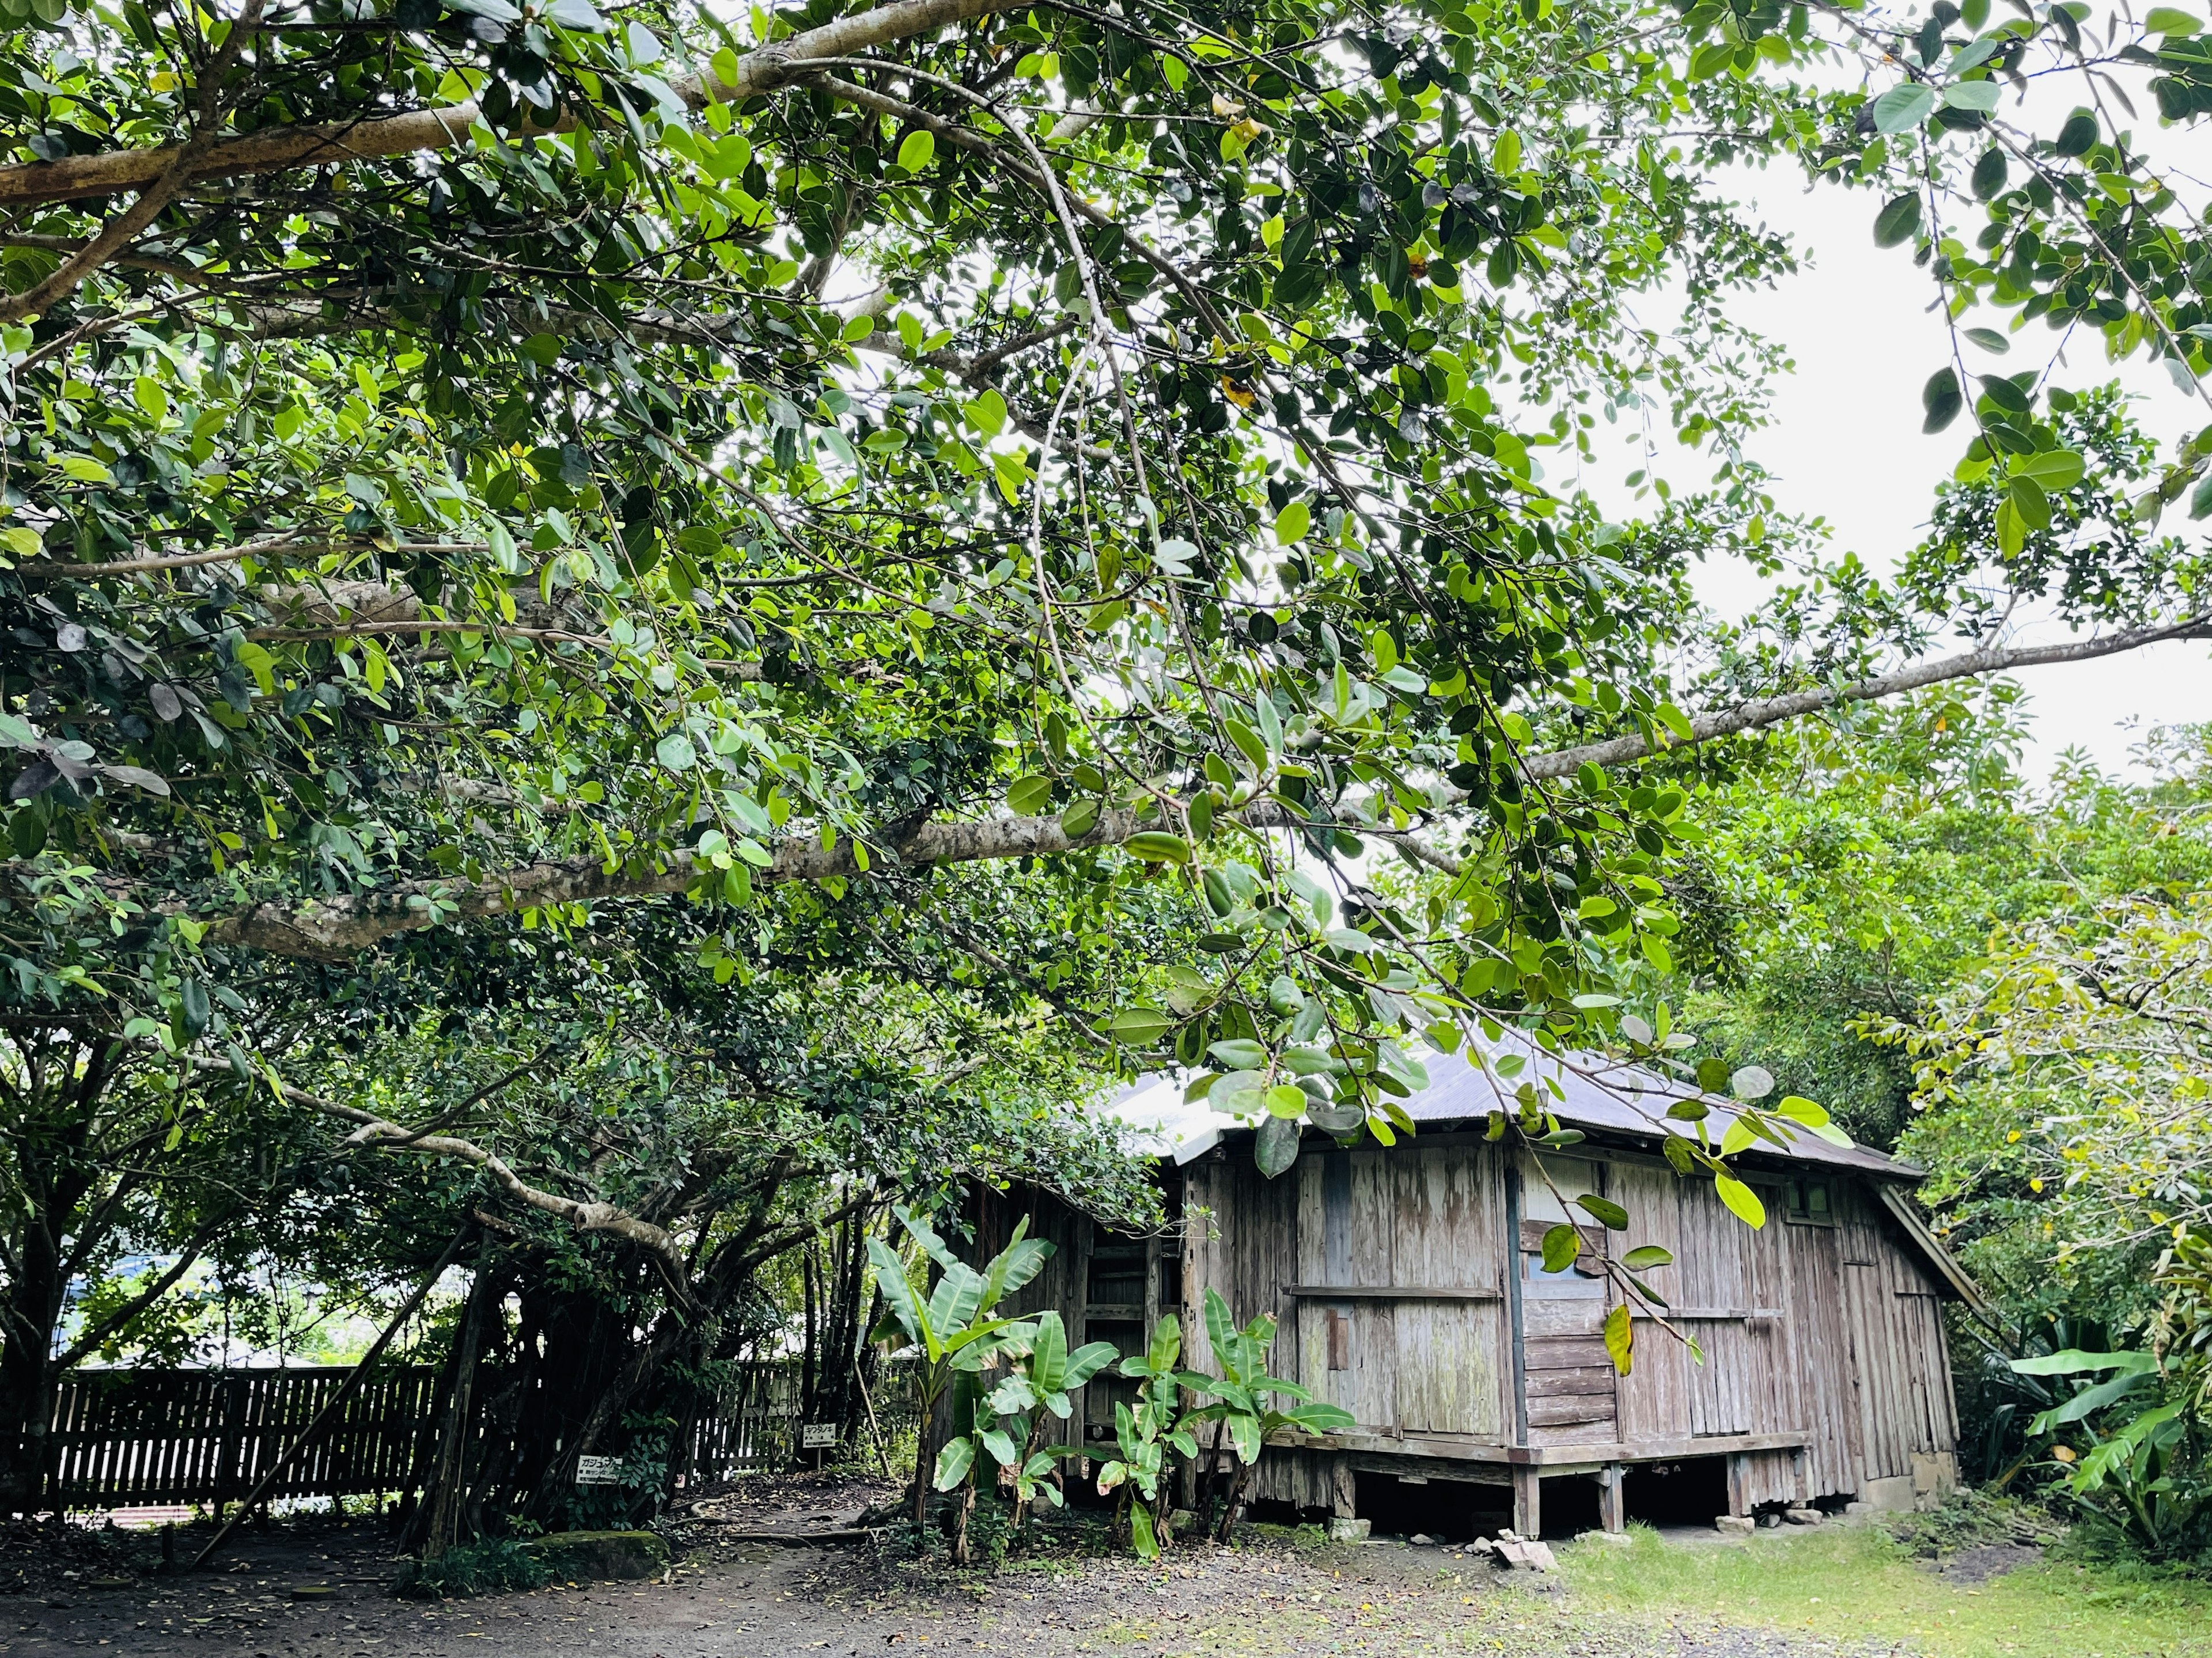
point(1858, 1583)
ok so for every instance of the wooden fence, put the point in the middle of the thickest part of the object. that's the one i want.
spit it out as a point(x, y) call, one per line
point(125, 1438)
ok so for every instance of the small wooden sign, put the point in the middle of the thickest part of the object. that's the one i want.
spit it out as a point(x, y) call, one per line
point(817, 1436)
point(598, 1471)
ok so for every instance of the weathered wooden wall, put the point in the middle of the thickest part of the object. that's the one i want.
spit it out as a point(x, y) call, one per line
point(1829, 1333)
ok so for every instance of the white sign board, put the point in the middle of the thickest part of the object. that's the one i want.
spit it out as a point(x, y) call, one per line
point(598, 1471)
point(817, 1436)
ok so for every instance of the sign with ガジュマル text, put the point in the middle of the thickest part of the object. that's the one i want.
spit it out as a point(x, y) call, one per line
point(598, 1471)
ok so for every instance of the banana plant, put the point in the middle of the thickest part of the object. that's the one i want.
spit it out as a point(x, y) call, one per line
point(1242, 1398)
point(1041, 1387)
point(1145, 1435)
point(2143, 1473)
point(952, 1331)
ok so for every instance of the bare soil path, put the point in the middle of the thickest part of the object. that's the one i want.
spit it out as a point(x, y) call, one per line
point(1274, 1598)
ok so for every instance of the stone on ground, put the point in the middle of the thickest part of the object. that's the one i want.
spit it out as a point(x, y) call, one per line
point(601, 1554)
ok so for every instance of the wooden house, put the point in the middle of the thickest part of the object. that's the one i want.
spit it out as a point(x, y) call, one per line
point(1409, 1287)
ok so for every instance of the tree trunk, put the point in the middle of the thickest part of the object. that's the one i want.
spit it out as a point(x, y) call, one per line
point(449, 1479)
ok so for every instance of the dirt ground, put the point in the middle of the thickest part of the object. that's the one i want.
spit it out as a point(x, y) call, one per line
point(733, 1600)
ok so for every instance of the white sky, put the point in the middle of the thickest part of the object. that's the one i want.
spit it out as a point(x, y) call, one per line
point(1846, 444)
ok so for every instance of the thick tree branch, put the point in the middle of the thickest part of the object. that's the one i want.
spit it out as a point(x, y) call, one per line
point(335, 929)
point(1774, 710)
point(157, 191)
point(278, 149)
point(372, 1130)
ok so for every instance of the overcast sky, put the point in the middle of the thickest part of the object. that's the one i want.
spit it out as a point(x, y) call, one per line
point(1846, 444)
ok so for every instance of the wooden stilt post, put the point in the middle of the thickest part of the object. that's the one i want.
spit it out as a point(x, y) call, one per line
point(1527, 1500)
point(1613, 1497)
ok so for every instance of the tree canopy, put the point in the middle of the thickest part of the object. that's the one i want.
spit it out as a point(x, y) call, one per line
point(637, 499)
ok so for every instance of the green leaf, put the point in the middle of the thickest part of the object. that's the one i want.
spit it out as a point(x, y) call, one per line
point(1989, 173)
point(1743, 1203)
point(1619, 1337)
point(1988, 339)
point(1156, 846)
point(1275, 1147)
point(1610, 1214)
point(1942, 400)
point(1142, 1536)
point(1980, 97)
point(1292, 522)
point(857, 330)
point(1239, 1054)
point(676, 751)
point(2166, 20)
point(1798, 1109)
point(1138, 1026)
point(1286, 1100)
point(22, 542)
point(2054, 469)
point(1028, 796)
point(2029, 501)
point(146, 392)
point(1080, 818)
point(544, 349)
point(1898, 219)
point(85, 470)
point(1086, 1362)
point(1563, 1245)
point(917, 149)
point(1901, 109)
point(953, 1463)
point(987, 414)
point(1644, 1257)
point(2075, 1360)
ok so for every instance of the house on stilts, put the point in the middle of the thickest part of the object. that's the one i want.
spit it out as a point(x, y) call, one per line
point(1409, 1287)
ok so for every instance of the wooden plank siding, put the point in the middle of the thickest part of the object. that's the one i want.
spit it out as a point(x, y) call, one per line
point(1821, 1363)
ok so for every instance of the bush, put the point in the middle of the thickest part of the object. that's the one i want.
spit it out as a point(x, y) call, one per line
point(490, 1565)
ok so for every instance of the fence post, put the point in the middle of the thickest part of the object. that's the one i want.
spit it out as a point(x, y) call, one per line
point(234, 1432)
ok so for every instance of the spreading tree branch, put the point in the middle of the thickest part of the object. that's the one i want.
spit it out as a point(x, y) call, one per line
point(335, 929)
point(280, 149)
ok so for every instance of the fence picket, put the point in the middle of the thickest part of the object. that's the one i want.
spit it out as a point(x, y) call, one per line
point(130, 1437)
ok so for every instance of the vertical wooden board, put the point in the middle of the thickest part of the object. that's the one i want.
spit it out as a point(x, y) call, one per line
point(1313, 1265)
point(1375, 1218)
point(1820, 1329)
point(1881, 1455)
point(1772, 1401)
point(1715, 1274)
point(1373, 1378)
point(1442, 1383)
point(1654, 1395)
point(1212, 1236)
point(1492, 1254)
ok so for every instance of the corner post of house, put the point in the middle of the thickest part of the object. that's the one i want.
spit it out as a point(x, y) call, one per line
point(1739, 1483)
point(1527, 1500)
point(1613, 1497)
point(1343, 1489)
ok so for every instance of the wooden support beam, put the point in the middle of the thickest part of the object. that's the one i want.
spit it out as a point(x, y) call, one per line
point(1613, 1497)
point(1527, 1501)
point(1343, 1489)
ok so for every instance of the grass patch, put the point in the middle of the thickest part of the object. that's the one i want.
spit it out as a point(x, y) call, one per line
point(1859, 1583)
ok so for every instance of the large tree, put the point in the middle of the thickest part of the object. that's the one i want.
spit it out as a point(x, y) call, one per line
point(473, 462)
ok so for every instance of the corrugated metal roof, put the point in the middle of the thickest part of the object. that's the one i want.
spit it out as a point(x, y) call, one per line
point(1601, 1096)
